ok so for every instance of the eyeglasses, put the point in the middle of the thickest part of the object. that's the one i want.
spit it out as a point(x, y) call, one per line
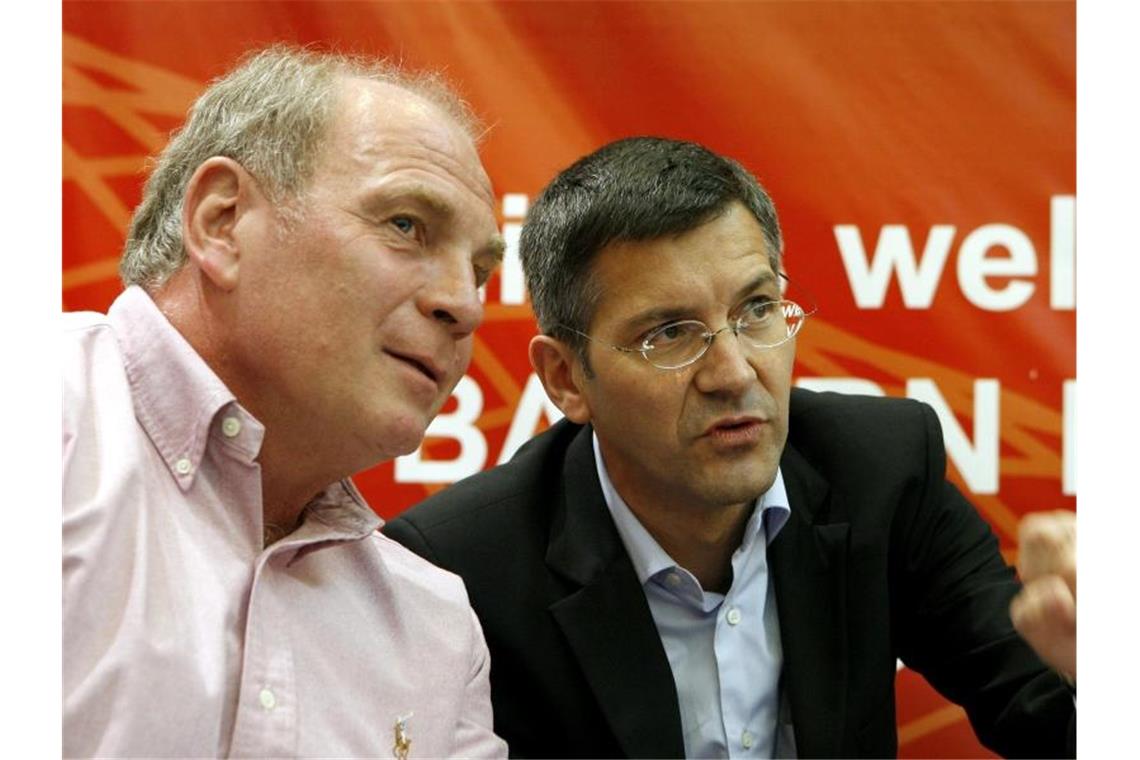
point(763, 324)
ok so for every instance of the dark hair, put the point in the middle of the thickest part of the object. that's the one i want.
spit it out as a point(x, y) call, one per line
point(639, 188)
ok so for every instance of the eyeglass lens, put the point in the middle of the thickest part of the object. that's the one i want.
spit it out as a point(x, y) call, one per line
point(680, 343)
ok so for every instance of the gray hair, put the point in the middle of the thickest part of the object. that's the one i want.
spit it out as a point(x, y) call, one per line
point(639, 188)
point(270, 114)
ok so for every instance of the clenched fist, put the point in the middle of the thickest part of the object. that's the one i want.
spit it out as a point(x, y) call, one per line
point(1045, 611)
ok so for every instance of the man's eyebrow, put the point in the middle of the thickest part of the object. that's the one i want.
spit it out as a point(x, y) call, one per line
point(673, 313)
point(496, 247)
point(657, 314)
point(759, 281)
point(421, 195)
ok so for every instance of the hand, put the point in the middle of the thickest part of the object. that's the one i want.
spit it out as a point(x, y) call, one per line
point(1045, 611)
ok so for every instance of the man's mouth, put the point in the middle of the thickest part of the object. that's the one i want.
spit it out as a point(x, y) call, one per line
point(422, 363)
point(734, 422)
point(735, 430)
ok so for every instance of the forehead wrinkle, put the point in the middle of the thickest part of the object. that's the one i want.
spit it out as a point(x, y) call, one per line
point(480, 187)
point(412, 128)
point(392, 155)
point(448, 150)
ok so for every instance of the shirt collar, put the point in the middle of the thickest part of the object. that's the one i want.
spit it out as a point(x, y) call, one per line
point(342, 509)
point(339, 513)
point(176, 394)
point(648, 558)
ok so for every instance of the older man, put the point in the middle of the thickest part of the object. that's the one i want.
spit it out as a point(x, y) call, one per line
point(701, 560)
point(302, 280)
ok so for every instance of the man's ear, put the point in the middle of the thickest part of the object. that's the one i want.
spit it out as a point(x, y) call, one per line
point(559, 368)
point(216, 196)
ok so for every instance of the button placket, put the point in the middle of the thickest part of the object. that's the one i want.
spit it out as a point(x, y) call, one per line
point(266, 723)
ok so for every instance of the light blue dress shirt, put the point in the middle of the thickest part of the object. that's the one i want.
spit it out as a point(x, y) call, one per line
point(724, 649)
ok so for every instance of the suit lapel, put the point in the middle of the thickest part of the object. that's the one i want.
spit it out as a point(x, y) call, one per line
point(808, 561)
point(607, 621)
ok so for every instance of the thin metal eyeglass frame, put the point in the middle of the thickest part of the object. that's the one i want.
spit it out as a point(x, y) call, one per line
point(709, 335)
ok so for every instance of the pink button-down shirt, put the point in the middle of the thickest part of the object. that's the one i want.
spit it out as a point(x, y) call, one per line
point(182, 635)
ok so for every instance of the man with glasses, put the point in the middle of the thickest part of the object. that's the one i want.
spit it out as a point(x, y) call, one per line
point(700, 560)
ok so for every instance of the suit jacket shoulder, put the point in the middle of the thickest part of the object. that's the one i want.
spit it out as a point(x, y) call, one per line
point(924, 580)
point(577, 667)
point(838, 432)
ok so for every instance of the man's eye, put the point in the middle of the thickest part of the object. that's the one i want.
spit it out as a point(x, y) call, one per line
point(759, 309)
point(484, 266)
point(482, 274)
point(672, 334)
point(405, 224)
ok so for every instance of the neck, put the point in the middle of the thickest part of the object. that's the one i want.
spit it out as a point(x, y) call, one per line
point(701, 541)
point(283, 494)
point(293, 469)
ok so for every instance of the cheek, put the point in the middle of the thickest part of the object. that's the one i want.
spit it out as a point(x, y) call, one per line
point(775, 372)
point(779, 384)
point(462, 360)
point(664, 409)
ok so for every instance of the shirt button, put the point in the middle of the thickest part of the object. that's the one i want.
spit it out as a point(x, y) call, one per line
point(231, 426)
point(183, 466)
point(268, 699)
point(733, 616)
point(747, 740)
point(673, 579)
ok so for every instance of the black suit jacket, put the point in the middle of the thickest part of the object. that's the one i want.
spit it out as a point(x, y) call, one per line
point(881, 558)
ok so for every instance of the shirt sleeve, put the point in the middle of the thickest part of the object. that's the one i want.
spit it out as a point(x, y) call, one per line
point(474, 733)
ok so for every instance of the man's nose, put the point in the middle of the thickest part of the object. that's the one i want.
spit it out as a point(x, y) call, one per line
point(452, 297)
point(725, 368)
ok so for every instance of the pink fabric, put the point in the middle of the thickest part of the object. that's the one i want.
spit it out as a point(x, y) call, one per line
point(182, 636)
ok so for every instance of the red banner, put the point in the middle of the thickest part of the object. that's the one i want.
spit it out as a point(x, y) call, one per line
point(921, 155)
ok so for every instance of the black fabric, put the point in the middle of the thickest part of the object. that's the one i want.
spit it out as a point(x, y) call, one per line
point(880, 558)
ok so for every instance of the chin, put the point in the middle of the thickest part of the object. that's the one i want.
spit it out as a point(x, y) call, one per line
point(735, 487)
point(727, 496)
point(396, 437)
point(405, 441)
